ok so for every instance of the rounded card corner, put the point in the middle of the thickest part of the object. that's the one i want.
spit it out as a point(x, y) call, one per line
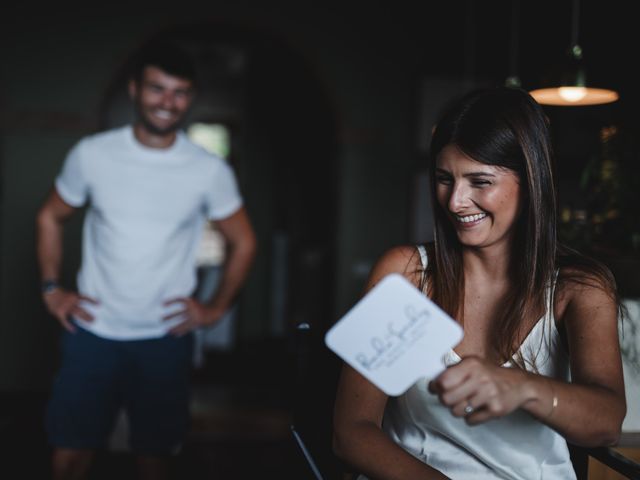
point(329, 338)
point(394, 392)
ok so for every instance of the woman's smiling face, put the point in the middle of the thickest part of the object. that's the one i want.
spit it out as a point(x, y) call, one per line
point(482, 201)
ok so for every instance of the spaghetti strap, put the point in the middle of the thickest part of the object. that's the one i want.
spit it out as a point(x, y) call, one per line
point(424, 260)
point(423, 255)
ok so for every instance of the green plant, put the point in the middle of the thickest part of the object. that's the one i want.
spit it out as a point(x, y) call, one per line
point(610, 183)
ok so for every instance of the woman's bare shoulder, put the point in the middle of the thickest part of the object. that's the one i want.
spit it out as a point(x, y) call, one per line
point(582, 287)
point(578, 280)
point(402, 259)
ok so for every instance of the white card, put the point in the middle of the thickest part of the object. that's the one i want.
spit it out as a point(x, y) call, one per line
point(394, 335)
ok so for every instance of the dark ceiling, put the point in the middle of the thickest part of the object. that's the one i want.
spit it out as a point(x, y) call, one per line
point(475, 36)
point(469, 37)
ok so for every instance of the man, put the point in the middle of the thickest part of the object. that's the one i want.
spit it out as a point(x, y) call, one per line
point(127, 341)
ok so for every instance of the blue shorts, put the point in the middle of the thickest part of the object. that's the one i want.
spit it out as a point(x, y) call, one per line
point(98, 377)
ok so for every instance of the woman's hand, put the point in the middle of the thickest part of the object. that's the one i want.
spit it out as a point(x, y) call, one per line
point(480, 391)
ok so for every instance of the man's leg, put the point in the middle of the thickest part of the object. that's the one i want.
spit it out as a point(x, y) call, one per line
point(84, 401)
point(157, 401)
point(153, 467)
point(70, 464)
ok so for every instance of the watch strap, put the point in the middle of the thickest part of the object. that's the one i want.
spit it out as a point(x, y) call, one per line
point(48, 286)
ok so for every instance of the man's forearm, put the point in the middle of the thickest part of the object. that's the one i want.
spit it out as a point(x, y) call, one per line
point(236, 268)
point(49, 242)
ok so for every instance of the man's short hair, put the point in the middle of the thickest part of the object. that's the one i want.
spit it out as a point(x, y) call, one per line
point(167, 56)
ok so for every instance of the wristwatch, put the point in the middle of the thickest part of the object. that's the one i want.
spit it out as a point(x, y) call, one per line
point(48, 286)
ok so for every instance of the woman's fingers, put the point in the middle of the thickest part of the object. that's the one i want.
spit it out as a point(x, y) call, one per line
point(477, 390)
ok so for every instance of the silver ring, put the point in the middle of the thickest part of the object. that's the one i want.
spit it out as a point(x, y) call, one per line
point(468, 410)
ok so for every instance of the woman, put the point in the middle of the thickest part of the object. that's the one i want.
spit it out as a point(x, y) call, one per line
point(531, 311)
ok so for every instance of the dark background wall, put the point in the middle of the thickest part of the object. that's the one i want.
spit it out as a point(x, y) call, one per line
point(337, 103)
point(332, 113)
point(58, 67)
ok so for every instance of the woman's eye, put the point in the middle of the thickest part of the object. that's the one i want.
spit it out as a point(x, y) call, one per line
point(481, 183)
point(443, 180)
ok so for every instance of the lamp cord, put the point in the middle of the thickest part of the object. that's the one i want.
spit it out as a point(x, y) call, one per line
point(513, 57)
point(575, 23)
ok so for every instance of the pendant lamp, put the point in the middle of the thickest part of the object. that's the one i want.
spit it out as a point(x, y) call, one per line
point(572, 88)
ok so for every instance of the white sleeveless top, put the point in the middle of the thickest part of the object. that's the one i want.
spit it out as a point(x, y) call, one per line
point(514, 447)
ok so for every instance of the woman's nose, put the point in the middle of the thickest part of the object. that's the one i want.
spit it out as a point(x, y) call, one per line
point(459, 197)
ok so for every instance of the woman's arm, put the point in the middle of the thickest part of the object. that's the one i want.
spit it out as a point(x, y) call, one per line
point(591, 409)
point(359, 407)
point(588, 411)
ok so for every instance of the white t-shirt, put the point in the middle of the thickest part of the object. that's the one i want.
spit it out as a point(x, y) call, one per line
point(143, 225)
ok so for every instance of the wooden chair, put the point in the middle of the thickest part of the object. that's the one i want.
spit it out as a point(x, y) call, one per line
point(606, 455)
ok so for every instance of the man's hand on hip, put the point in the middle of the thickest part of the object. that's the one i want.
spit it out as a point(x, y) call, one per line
point(194, 315)
point(62, 304)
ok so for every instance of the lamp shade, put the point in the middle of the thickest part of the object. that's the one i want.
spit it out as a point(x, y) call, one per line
point(574, 96)
point(572, 89)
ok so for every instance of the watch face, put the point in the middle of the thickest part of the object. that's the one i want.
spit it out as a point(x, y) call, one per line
point(49, 286)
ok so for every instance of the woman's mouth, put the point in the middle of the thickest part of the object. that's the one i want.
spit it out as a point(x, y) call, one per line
point(470, 219)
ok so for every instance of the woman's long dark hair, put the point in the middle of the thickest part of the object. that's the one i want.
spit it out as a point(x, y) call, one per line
point(505, 127)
